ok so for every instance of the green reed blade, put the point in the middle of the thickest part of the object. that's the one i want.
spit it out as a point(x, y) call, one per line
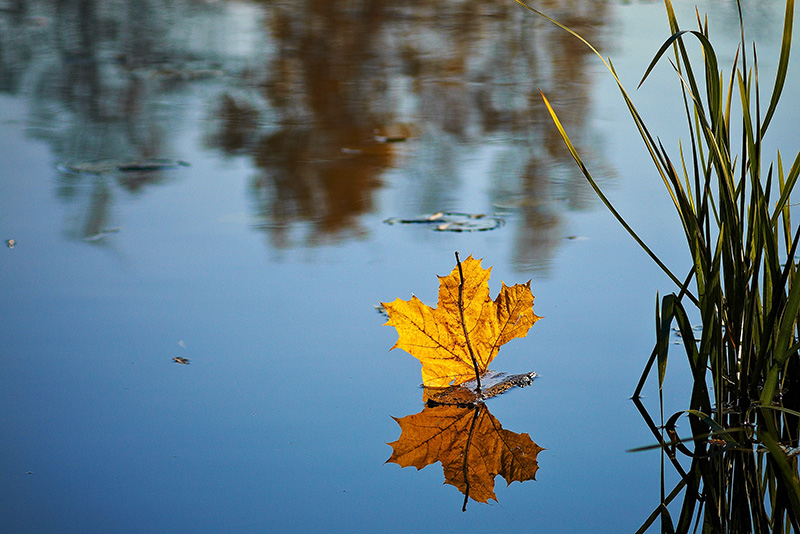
point(787, 189)
point(783, 64)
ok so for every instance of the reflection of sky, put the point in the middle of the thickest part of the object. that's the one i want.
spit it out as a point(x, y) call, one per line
point(282, 417)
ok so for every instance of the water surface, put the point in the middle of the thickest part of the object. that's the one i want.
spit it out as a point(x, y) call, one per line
point(305, 127)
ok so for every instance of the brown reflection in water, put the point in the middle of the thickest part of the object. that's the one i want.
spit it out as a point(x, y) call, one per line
point(328, 182)
point(461, 76)
point(540, 234)
point(326, 86)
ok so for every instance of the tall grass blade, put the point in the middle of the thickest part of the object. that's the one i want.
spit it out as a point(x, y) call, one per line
point(783, 64)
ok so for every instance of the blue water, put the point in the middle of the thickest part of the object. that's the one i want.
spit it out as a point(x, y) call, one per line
point(262, 261)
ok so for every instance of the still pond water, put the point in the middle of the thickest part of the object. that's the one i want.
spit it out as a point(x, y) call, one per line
point(211, 181)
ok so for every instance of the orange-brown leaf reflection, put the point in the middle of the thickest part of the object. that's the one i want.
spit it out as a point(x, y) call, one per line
point(471, 445)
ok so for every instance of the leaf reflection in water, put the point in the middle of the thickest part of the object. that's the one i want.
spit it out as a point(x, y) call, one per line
point(471, 445)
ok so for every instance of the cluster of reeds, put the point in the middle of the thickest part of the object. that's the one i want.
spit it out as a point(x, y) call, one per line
point(734, 207)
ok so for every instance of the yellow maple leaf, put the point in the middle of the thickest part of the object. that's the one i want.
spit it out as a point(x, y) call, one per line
point(462, 335)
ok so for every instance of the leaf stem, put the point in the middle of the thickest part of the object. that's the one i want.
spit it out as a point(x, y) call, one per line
point(464, 324)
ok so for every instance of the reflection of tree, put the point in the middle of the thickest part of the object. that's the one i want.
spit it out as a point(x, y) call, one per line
point(309, 179)
point(465, 75)
point(324, 169)
point(323, 163)
point(496, 59)
point(93, 74)
point(320, 86)
point(551, 178)
point(471, 445)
